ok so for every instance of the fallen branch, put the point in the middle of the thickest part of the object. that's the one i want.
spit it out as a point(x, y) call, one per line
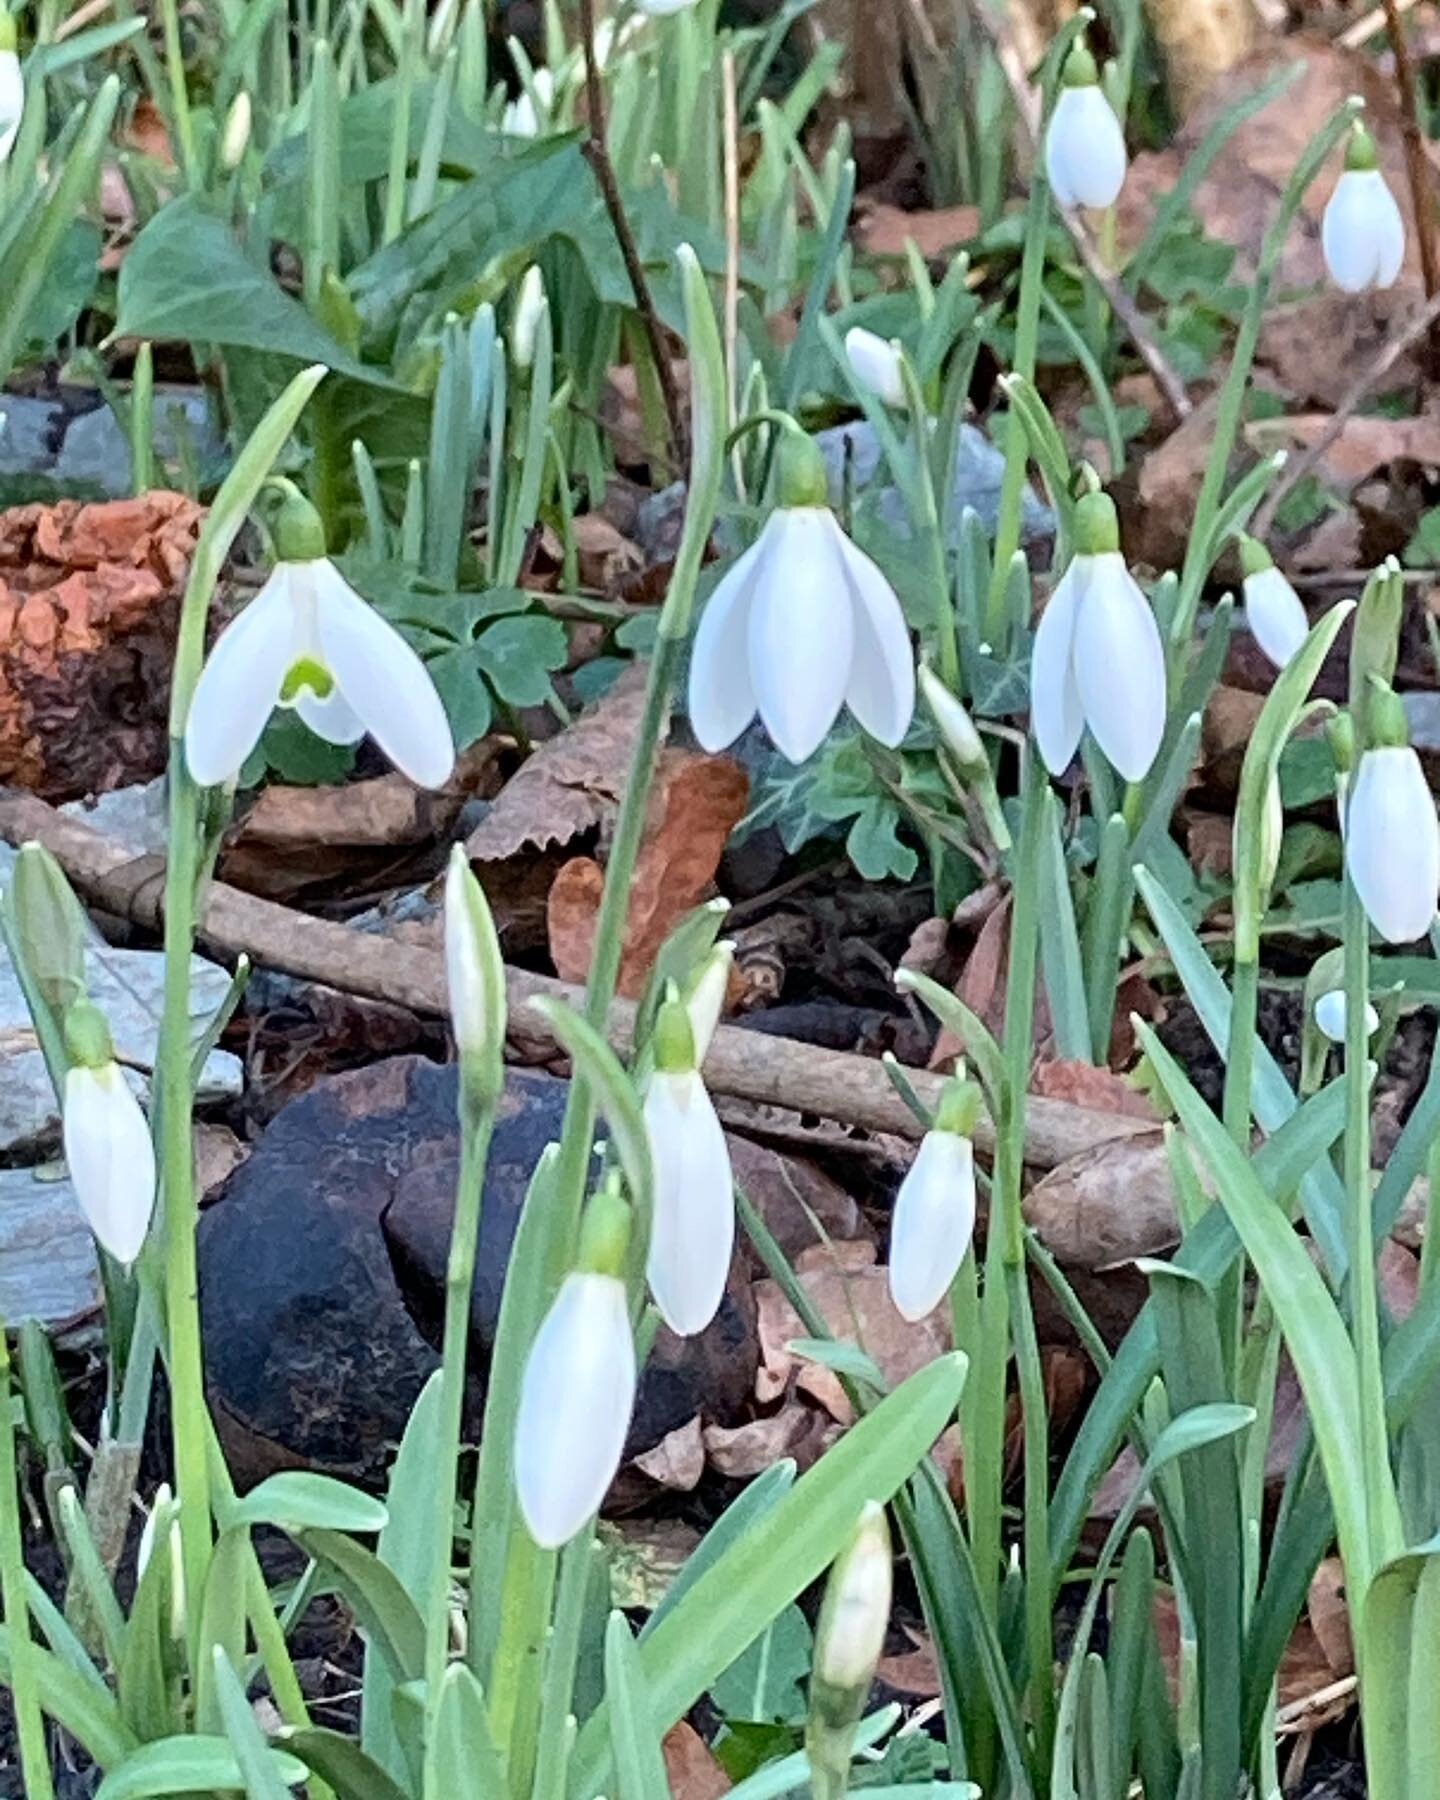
point(1364, 384)
point(748, 1065)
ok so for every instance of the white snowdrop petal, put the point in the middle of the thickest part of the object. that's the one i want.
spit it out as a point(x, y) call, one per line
point(241, 680)
point(1085, 149)
point(721, 700)
point(662, 9)
point(881, 689)
point(1331, 1012)
point(1392, 843)
point(332, 718)
point(1120, 667)
point(383, 681)
point(110, 1158)
point(692, 1232)
point(1362, 234)
point(12, 102)
point(1275, 615)
point(875, 364)
point(801, 634)
point(1056, 715)
point(931, 1226)
point(576, 1397)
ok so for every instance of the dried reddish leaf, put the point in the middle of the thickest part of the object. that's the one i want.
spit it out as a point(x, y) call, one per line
point(798, 1430)
point(678, 1460)
point(914, 1672)
point(1329, 1614)
point(1083, 1084)
point(691, 1772)
point(695, 804)
point(883, 229)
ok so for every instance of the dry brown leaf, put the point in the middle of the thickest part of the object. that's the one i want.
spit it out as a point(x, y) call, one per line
point(798, 1430)
point(1209, 842)
point(89, 595)
point(1066, 1377)
point(1329, 1615)
point(1107, 1206)
point(1364, 445)
point(883, 230)
point(794, 1196)
point(691, 1771)
point(678, 1460)
point(1084, 1084)
point(695, 804)
point(836, 1257)
point(1225, 732)
point(146, 132)
point(913, 1672)
point(856, 1307)
point(606, 556)
point(573, 782)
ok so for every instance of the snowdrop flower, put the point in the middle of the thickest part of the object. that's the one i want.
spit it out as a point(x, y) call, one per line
point(520, 119)
point(955, 726)
point(1392, 837)
point(1098, 659)
point(236, 136)
point(578, 1387)
point(1273, 610)
point(308, 641)
point(692, 1232)
point(934, 1216)
point(705, 1001)
point(1330, 1011)
point(530, 303)
point(163, 1516)
point(1084, 144)
point(855, 1613)
point(12, 87)
point(663, 9)
point(474, 974)
point(1362, 233)
point(801, 625)
point(875, 364)
point(108, 1150)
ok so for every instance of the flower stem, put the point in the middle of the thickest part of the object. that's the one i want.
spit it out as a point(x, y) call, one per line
point(1240, 1049)
point(179, 93)
point(24, 1691)
point(477, 1122)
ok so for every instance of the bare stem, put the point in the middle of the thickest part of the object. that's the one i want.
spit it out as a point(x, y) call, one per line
point(1417, 164)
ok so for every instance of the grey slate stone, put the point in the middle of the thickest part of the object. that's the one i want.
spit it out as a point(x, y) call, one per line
point(27, 437)
point(97, 450)
point(47, 1256)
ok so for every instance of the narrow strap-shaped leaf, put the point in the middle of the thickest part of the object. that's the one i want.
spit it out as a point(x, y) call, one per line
point(253, 1756)
point(634, 1741)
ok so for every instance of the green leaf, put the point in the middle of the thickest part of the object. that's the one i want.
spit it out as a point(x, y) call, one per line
point(766, 1685)
point(341, 1764)
point(406, 1548)
point(463, 1758)
point(192, 1765)
point(1060, 944)
point(297, 1500)
point(744, 1511)
point(781, 1554)
point(461, 686)
point(293, 752)
point(92, 1718)
point(786, 1774)
point(634, 1740)
point(375, 1594)
point(187, 278)
point(1400, 1653)
point(253, 1756)
point(842, 1357)
point(519, 653)
point(143, 1683)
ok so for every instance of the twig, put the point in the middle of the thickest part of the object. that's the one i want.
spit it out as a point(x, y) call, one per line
point(1354, 36)
point(1359, 390)
point(750, 1065)
point(1417, 163)
point(596, 150)
point(1122, 304)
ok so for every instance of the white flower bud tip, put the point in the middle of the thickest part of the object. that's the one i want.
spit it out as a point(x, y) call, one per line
point(474, 967)
point(1331, 1012)
point(875, 364)
point(692, 1232)
point(1392, 843)
point(856, 1610)
point(1275, 615)
point(530, 303)
point(110, 1158)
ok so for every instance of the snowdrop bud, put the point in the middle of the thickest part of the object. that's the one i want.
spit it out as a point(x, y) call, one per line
point(298, 532)
point(1362, 233)
point(1084, 143)
point(1330, 1014)
point(934, 1216)
point(578, 1387)
point(956, 728)
point(849, 1640)
point(12, 87)
point(530, 303)
point(875, 364)
point(1340, 735)
point(107, 1141)
point(236, 135)
point(1272, 834)
point(50, 927)
point(1392, 837)
point(1273, 609)
point(163, 1518)
point(706, 999)
point(475, 977)
point(692, 1232)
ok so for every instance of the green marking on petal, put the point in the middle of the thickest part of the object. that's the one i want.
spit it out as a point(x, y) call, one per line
point(306, 673)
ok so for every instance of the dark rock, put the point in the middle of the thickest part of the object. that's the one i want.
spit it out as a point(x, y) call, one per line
point(322, 1271)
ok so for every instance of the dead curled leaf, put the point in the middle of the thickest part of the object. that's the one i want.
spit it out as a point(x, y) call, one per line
point(1084, 1084)
point(691, 1771)
point(1108, 1205)
point(88, 599)
point(695, 804)
point(798, 1430)
point(678, 1461)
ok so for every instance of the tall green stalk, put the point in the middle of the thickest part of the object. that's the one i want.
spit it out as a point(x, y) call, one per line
point(24, 1690)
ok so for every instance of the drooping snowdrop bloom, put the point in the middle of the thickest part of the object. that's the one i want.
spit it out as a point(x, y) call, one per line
point(578, 1387)
point(106, 1138)
point(530, 303)
point(1098, 659)
point(1392, 836)
point(520, 117)
point(934, 1216)
point(692, 1232)
point(1273, 609)
point(875, 363)
point(802, 624)
point(12, 87)
point(308, 641)
point(1362, 233)
point(705, 1000)
point(1330, 1015)
point(474, 977)
point(1084, 143)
